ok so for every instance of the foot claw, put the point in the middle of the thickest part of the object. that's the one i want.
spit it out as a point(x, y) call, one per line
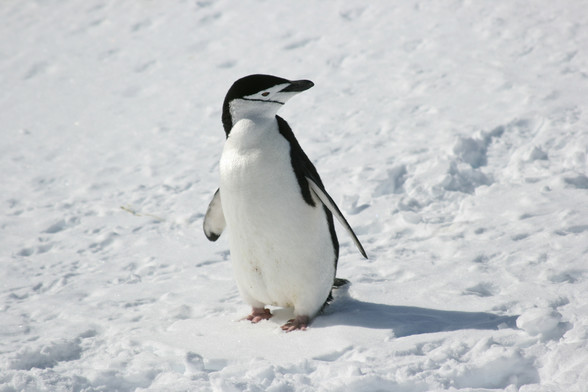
point(259, 314)
point(300, 322)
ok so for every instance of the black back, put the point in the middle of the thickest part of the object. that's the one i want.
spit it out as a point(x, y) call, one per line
point(303, 168)
point(243, 87)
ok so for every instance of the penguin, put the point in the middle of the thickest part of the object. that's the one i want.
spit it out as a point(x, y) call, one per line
point(283, 245)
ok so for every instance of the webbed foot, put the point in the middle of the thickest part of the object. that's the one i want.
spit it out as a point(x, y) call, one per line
point(300, 322)
point(259, 314)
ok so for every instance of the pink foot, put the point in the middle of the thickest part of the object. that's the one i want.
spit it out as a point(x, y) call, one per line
point(300, 322)
point(259, 314)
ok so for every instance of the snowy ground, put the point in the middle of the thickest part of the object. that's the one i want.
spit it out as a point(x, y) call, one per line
point(453, 135)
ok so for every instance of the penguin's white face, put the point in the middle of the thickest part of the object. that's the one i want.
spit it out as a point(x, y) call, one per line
point(264, 103)
point(271, 94)
point(253, 108)
point(259, 96)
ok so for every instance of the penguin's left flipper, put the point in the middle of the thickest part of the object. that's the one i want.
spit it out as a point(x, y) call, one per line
point(330, 204)
point(214, 221)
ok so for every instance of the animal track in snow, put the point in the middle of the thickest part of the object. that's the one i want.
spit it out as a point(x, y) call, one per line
point(580, 181)
point(394, 182)
point(569, 276)
point(483, 289)
point(62, 225)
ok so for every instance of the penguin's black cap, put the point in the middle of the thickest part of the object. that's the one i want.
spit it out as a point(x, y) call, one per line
point(252, 84)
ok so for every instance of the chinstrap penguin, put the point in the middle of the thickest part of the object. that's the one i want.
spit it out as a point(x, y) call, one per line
point(284, 248)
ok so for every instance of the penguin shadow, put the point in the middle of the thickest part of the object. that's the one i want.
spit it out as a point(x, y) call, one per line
point(407, 320)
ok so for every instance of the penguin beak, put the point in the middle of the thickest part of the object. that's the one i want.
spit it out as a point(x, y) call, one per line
point(297, 86)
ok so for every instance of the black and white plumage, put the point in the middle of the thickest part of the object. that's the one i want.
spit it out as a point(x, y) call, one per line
point(284, 247)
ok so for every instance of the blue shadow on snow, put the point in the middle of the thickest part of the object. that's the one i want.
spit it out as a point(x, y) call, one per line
point(407, 320)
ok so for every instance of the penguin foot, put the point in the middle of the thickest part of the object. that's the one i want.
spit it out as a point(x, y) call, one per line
point(300, 322)
point(259, 314)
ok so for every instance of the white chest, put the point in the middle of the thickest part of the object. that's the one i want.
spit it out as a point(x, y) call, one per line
point(255, 164)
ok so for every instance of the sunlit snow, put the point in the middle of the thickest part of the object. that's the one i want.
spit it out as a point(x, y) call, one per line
point(452, 134)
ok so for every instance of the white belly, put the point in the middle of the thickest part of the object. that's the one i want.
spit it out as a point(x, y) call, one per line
point(281, 248)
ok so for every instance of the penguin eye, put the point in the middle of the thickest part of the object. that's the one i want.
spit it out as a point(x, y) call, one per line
point(265, 94)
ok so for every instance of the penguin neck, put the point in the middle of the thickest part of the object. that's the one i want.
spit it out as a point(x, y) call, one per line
point(242, 109)
point(253, 132)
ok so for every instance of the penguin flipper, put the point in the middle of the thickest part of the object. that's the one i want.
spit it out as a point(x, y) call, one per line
point(214, 221)
point(330, 204)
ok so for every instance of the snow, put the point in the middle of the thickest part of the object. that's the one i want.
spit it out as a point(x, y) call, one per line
point(453, 135)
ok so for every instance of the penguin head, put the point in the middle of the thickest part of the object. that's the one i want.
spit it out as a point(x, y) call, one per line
point(258, 96)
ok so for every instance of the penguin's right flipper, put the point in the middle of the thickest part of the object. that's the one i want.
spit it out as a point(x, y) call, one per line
point(330, 204)
point(214, 221)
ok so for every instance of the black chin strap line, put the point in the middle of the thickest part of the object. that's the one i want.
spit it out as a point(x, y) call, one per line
point(262, 100)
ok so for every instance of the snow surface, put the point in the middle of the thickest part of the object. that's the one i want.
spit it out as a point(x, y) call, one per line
point(453, 135)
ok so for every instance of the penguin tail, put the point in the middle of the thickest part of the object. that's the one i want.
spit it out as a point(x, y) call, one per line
point(340, 282)
point(337, 284)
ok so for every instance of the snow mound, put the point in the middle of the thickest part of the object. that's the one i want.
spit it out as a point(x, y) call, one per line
point(48, 356)
point(545, 323)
